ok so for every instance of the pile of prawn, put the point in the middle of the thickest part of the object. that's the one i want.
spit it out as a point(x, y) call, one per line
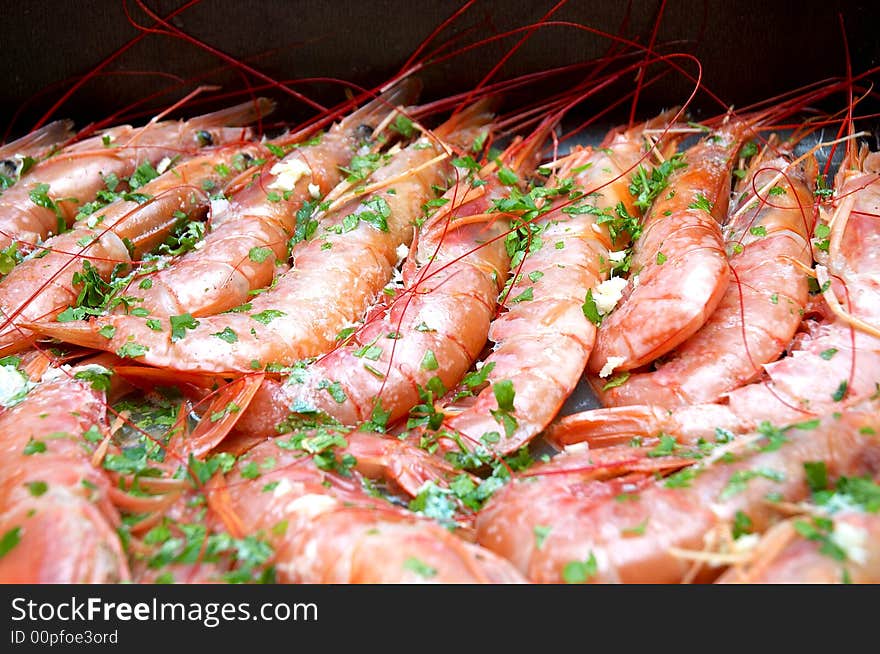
point(341, 354)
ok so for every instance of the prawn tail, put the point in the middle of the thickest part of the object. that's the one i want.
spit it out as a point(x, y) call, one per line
point(40, 139)
point(226, 407)
point(77, 333)
point(239, 115)
point(220, 502)
point(15, 341)
point(604, 427)
point(398, 461)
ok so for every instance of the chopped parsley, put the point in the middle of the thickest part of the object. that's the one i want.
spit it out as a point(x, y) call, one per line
point(580, 572)
point(179, 325)
point(9, 540)
point(702, 203)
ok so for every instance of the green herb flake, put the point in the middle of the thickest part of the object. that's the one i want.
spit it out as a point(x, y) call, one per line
point(419, 567)
point(403, 126)
point(579, 572)
point(37, 488)
point(100, 380)
point(591, 311)
point(34, 447)
point(179, 325)
point(429, 361)
point(9, 540)
point(541, 532)
point(259, 254)
point(132, 350)
point(702, 203)
point(828, 354)
point(742, 525)
point(816, 473)
point(267, 316)
point(227, 335)
point(504, 394)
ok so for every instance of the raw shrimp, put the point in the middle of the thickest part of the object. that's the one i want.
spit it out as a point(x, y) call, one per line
point(761, 308)
point(840, 359)
point(335, 277)
point(840, 548)
point(18, 157)
point(836, 361)
point(433, 329)
point(40, 288)
point(326, 529)
point(57, 187)
point(238, 255)
point(543, 340)
point(55, 512)
point(680, 270)
point(560, 527)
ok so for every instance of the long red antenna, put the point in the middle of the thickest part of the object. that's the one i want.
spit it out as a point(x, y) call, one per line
point(104, 63)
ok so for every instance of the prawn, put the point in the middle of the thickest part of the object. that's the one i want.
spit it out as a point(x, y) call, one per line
point(335, 276)
point(57, 522)
point(430, 333)
point(57, 187)
point(569, 527)
point(543, 340)
point(761, 309)
point(107, 242)
point(840, 359)
point(835, 362)
point(333, 532)
point(238, 255)
point(680, 270)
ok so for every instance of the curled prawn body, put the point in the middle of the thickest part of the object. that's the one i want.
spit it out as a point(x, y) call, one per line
point(47, 201)
point(54, 504)
point(39, 288)
point(543, 340)
point(761, 308)
point(839, 360)
point(432, 331)
point(679, 261)
point(334, 279)
point(238, 255)
point(434, 327)
point(333, 532)
point(640, 530)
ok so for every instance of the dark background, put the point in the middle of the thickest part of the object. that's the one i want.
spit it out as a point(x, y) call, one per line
point(749, 49)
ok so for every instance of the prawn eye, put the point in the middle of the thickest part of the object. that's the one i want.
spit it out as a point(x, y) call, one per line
point(9, 167)
point(204, 137)
point(363, 132)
